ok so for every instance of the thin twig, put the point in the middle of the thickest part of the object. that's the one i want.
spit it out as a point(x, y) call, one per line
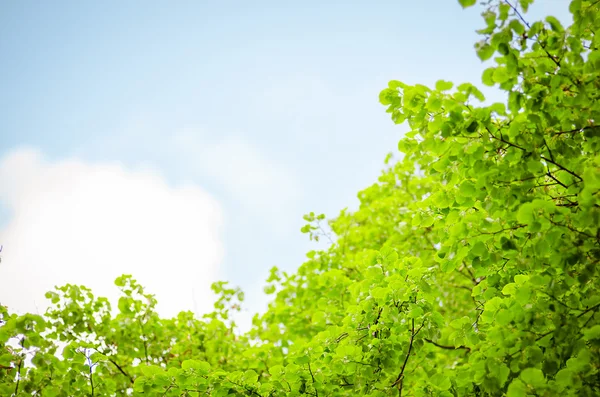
point(447, 347)
point(561, 167)
point(19, 368)
point(313, 380)
point(576, 130)
point(400, 379)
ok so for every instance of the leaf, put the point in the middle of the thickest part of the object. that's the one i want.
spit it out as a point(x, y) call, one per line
point(139, 384)
point(151, 370)
point(564, 378)
point(484, 51)
point(468, 189)
point(554, 24)
point(516, 389)
point(250, 376)
point(592, 333)
point(442, 85)
point(509, 289)
point(521, 279)
point(478, 248)
point(501, 372)
point(523, 294)
point(467, 3)
point(500, 75)
point(201, 367)
point(533, 377)
point(517, 27)
point(488, 77)
point(440, 381)
point(525, 214)
point(472, 127)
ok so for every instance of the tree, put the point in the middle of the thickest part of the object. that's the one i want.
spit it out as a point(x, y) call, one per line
point(470, 268)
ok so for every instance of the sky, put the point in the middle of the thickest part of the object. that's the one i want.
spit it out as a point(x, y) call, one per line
point(182, 142)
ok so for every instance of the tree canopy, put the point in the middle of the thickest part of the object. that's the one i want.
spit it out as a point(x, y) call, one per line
point(469, 269)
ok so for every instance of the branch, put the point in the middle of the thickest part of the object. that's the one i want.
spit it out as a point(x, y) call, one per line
point(576, 130)
point(447, 347)
point(589, 310)
point(570, 228)
point(91, 376)
point(400, 379)
point(145, 341)
point(505, 141)
point(518, 14)
point(557, 62)
point(313, 380)
point(121, 370)
point(561, 167)
point(525, 150)
point(19, 368)
point(501, 230)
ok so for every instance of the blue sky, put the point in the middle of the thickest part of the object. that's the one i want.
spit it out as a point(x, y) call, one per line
point(262, 110)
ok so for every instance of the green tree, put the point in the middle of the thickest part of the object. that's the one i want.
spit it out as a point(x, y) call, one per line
point(470, 268)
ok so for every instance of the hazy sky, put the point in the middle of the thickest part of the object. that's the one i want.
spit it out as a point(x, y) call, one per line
point(183, 141)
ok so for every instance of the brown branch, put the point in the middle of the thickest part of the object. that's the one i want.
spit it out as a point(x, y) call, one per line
point(471, 277)
point(557, 62)
point(589, 310)
point(505, 141)
point(561, 167)
point(556, 180)
point(313, 380)
point(570, 228)
point(500, 231)
point(91, 376)
point(400, 379)
point(501, 139)
point(518, 14)
point(447, 347)
point(121, 370)
point(22, 343)
point(576, 130)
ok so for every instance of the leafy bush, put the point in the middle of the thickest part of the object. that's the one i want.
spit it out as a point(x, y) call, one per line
point(470, 268)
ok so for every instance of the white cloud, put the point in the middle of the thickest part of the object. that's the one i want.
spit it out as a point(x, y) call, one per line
point(73, 222)
point(256, 182)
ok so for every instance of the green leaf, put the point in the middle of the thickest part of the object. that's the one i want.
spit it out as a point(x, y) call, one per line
point(467, 3)
point(554, 24)
point(139, 384)
point(488, 77)
point(516, 389)
point(564, 378)
point(533, 377)
point(484, 51)
point(500, 372)
point(500, 75)
point(440, 382)
point(250, 376)
point(468, 189)
point(523, 294)
point(592, 333)
point(517, 27)
point(510, 289)
point(525, 214)
point(442, 85)
point(478, 248)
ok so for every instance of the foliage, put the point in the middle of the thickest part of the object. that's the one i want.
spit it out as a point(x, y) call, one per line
point(470, 268)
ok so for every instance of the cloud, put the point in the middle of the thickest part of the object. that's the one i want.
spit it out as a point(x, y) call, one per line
point(255, 181)
point(73, 222)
